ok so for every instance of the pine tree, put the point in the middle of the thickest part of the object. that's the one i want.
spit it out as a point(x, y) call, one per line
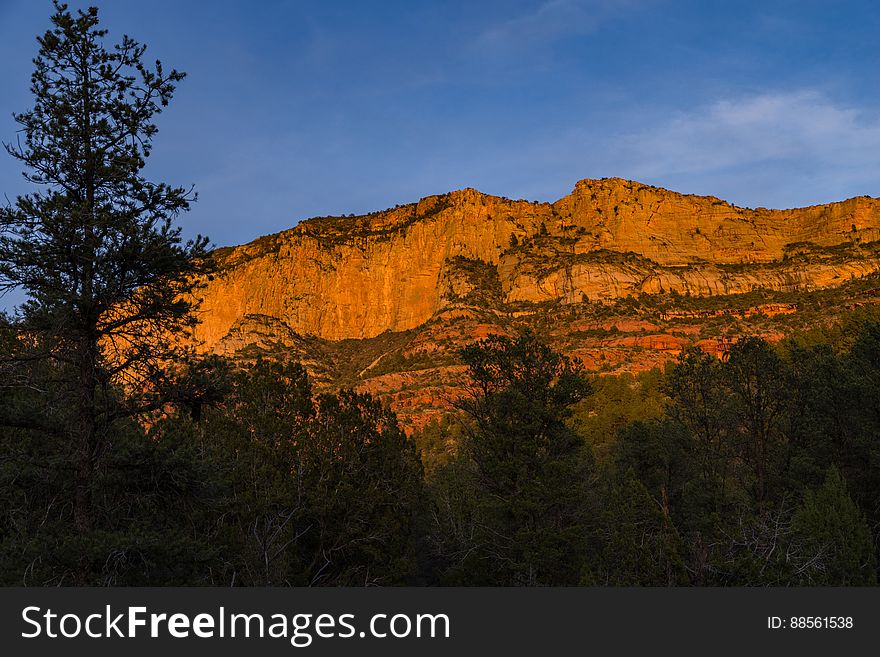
point(107, 274)
point(531, 470)
point(637, 543)
point(831, 529)
point(319, 490)
point(758, 383)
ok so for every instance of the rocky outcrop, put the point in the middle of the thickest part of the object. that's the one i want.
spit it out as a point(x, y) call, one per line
point(357, 277)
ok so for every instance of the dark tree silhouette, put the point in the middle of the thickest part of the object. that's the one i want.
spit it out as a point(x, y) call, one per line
point(107, 274)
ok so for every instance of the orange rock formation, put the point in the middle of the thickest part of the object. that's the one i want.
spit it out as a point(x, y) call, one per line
point(356, 277)
point(620, 274)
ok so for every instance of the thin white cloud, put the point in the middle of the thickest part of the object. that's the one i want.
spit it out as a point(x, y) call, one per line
point(550, 20)
point(748, 130)
point(808, 144)
point(784, 149)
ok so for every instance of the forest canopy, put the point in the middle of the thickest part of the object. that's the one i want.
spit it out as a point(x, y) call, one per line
point(758, 469)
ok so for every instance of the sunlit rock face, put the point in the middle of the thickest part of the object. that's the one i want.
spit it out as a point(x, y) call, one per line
point(358, 277)
point(620, 275)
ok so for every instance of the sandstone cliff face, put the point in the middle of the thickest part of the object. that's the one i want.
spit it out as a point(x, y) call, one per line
point(357, 277)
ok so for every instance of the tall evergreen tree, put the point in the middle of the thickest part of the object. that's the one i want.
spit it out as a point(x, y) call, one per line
point(701, 405)
point(107, 273)
point(758, 383)
point(531, 470)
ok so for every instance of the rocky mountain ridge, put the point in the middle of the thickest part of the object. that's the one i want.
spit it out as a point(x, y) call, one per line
point(391, 294)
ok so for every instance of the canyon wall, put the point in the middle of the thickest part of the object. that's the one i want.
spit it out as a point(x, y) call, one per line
point(357, 277)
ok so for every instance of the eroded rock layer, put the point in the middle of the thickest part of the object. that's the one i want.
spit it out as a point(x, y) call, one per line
point(356, 277)
point(622, 275)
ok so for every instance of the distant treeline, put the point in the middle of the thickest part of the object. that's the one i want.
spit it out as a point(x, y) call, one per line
point(759, 469)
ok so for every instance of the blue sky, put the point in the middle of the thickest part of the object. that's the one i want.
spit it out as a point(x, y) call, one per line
point(300, 108)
